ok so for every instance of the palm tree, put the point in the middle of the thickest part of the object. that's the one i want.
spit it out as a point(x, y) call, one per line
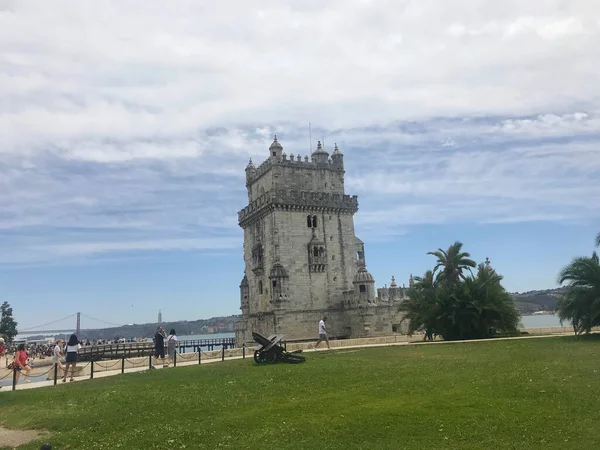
point(478, 307)
point(427, 281)
point(598, 240)
point(452, 262)
point(419, 307)
point(581, 303)
point(468, 308)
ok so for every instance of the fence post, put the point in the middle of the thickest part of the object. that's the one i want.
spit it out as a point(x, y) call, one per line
point(55, 373)
point(92, 370)
point(175, 358)
point(199, 355)
point(150, 361)
point(244, 350)
point(223, 353)
point(123, 364)
point(14, 386)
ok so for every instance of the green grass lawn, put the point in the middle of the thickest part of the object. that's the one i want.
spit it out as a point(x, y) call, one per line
point(533, 393)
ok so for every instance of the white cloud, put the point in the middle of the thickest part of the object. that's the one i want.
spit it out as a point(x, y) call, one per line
point(123, 125)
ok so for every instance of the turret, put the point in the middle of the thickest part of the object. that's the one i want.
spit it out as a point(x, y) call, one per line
point(250, 171)
point(275, 150)
point(364, 286)
point(320, 156)
point(244, 292)
point(337, 158)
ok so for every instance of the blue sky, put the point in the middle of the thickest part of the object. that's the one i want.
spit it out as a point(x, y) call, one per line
point(124, 133)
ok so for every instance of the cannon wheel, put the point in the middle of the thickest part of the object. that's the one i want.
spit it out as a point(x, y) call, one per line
point(259, 357)
point(270, 357)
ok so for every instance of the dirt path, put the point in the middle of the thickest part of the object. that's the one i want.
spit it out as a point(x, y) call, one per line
point(14, 438)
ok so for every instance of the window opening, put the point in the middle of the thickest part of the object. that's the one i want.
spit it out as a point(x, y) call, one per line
point(260, 287)
point(362, 288)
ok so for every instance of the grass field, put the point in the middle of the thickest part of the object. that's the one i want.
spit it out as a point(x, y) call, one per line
point(517, 394)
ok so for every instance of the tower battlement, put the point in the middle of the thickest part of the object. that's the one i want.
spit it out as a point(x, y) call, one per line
point(299, 200)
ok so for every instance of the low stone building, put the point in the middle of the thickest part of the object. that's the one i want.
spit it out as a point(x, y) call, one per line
point(302, 258)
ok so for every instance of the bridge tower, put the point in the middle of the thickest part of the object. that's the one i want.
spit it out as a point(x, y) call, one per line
point(78, 329)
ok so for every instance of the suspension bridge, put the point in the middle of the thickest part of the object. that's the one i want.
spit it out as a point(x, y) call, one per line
point(74, 319)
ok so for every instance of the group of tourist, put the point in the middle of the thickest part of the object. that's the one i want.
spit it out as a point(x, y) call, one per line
point(23, 356)
point(159, 346)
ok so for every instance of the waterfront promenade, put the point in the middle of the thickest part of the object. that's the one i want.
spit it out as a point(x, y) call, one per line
point(43, 376)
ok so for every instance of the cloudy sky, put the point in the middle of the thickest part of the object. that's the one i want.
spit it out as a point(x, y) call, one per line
point(125, 127)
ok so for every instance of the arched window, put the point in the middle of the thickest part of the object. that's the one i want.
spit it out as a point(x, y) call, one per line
point(316, 251)
point(362, 288)
point(260, 287)
point(314, 221)
point(308, 221)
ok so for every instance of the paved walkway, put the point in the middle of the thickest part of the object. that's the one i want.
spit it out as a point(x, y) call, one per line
point(108, 373)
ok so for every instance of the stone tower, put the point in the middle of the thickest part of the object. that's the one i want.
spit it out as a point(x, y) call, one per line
point(302, 258)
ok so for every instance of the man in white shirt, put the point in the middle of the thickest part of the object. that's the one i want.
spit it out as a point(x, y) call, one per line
point(322, 332)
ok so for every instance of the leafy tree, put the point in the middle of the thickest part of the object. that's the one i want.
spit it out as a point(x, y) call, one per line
point(452, 263)
point(581, 302)
point(457, 306)
point(598, 240)
point(8, 326)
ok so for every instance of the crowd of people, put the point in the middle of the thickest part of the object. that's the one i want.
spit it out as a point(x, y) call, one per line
point(21, 357)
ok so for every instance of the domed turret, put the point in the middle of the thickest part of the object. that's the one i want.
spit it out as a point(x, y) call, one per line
point(250, 170)
point(276, 150)
point(337, 158)
point(363, 276)
point(320, 156)
point(364, 286)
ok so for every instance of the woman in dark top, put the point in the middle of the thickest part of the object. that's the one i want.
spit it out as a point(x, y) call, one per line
point(73, 347)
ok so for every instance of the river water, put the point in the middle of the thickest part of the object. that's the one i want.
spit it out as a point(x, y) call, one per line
point(542, 321)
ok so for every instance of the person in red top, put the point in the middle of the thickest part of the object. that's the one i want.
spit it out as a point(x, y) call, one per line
point(3, 351)
point(21, 362)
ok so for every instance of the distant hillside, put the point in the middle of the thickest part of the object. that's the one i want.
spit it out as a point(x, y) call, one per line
point(543, 300)
point(181, 327)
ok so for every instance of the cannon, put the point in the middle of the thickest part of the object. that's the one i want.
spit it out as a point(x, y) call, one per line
point(269, 351)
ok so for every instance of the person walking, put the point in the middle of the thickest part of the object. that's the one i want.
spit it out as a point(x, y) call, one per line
point(20, 363)
point(159, 345)
point(57, 354)
point(73, 347)
point(322, 332)
point(171, 344)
